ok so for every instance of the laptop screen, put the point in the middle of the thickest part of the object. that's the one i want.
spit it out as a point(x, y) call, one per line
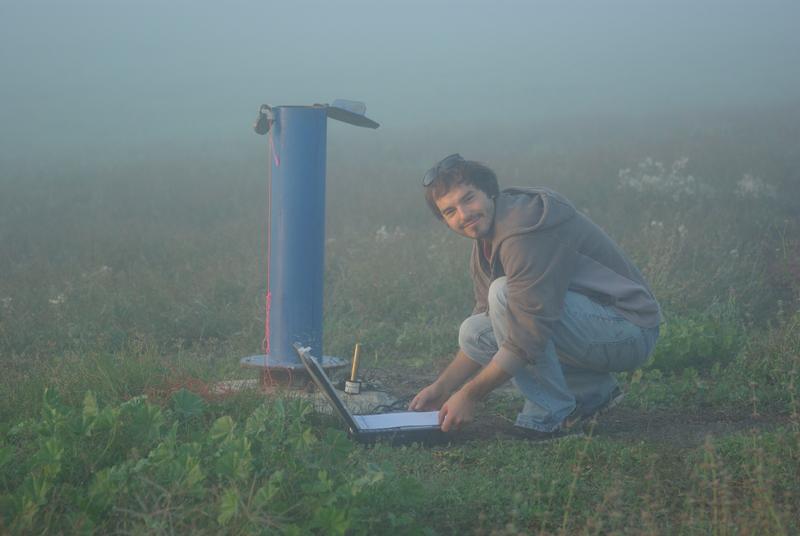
point(325, 385)
point(382, 421)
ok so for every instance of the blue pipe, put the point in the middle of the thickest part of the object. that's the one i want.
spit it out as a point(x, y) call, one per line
point(298, 136)
point(297, 230)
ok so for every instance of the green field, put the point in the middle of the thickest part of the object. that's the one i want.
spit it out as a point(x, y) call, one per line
point(129, 286)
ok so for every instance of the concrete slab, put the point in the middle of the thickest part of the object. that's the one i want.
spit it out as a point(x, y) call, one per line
point(362, 403)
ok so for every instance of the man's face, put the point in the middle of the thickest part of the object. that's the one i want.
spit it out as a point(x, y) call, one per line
point(467, 211)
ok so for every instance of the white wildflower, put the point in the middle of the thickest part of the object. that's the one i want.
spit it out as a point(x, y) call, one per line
point(381, 235)
point(679, 165)
point(58, 300)
point(653, 177)
point(753, 188)
point(103, 271)
point(682, 230)
point(659, 224)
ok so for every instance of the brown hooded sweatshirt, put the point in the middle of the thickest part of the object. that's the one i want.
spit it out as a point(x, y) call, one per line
point(545, 247)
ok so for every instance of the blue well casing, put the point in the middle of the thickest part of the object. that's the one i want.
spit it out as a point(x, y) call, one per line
point(298, 138)
point(297, 229)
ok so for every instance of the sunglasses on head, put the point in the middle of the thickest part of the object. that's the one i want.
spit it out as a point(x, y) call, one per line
point(445, 164)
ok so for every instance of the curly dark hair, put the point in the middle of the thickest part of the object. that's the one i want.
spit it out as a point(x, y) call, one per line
point(464, 172)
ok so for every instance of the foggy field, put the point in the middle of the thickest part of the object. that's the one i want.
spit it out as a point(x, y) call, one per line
point(133, 215)
point(147, 277)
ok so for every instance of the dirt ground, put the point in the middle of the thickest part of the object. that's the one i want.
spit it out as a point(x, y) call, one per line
point(495, 420)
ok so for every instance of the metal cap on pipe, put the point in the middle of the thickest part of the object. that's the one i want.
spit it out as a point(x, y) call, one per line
point(346, 111)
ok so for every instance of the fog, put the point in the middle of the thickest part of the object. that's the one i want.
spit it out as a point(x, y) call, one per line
point(127, 79)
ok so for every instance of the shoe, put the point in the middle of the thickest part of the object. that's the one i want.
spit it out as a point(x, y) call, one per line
point(577, 417)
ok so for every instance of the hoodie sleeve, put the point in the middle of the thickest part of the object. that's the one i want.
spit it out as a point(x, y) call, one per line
point(538, 267)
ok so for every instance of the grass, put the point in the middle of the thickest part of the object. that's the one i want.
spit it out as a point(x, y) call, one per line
point(146, 278)
point(599, 486)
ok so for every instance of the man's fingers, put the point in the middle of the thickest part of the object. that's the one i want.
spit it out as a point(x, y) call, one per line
point(450, 423)
point(419, 403)
point(422, 401)
point(447, 421)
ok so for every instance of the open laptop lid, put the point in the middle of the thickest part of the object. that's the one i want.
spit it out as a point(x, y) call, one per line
point(399, 427)
point(325, 385)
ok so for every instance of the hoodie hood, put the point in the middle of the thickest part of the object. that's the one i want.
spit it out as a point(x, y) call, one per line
point(524, 210)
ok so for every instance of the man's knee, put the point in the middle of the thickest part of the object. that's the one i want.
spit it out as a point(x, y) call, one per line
point(475, 337)
point(497, 294)
point(470, 331)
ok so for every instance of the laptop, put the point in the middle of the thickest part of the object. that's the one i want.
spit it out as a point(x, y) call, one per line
point(396, 428)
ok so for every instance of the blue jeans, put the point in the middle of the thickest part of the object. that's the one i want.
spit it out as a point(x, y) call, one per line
point(589, 342)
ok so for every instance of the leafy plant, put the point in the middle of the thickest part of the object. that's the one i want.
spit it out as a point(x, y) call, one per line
point(698, 341)
point(133, 465)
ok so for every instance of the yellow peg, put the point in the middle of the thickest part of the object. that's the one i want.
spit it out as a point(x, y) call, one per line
point(354, 371)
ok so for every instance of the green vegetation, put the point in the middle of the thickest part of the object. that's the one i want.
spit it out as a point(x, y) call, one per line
point(128, 289)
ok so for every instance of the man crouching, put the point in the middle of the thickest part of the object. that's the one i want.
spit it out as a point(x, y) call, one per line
point(558, 305)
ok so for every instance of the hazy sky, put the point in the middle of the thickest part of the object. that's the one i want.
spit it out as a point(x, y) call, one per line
point(106, 76)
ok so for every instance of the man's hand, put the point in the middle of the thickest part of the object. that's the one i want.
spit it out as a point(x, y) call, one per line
point(457, 411)
point(436, 394)
point(460, 408)
point(429, 399)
